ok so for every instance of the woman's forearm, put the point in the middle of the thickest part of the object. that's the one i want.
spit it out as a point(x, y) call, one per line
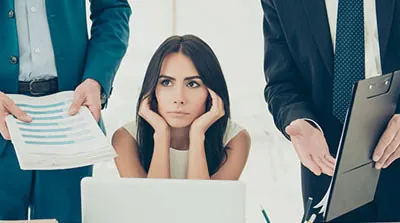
point(197, 161)
point(160, 166)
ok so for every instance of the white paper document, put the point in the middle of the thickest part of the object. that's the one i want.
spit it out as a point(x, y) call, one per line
point(323, 204)
point(54, 139)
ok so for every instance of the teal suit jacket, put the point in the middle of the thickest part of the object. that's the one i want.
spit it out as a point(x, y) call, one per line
point(77, 57)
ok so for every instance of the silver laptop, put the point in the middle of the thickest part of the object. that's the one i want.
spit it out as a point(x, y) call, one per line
point(130, 200)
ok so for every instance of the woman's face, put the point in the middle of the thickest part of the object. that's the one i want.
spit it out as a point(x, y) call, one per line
point(180, 92)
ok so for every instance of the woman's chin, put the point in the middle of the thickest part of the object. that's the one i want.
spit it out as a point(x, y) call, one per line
point(178, 123)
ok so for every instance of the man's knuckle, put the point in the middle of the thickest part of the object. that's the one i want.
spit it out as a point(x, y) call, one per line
point(384, 157)
point(378, 152)
point(78, 94)
point(385, 140)
point(8, 103)
point(395, 121)
point(391, 148)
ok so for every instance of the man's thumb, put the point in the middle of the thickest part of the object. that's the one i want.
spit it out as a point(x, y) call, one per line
point(293, 129)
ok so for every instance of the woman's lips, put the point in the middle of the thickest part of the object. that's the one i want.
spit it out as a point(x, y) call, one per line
point(178, 113)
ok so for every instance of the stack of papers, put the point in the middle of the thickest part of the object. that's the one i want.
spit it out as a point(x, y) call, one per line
point(54, 139)
point(324, 201)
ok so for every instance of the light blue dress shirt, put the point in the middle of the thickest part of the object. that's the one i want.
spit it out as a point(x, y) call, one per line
point(36, 55)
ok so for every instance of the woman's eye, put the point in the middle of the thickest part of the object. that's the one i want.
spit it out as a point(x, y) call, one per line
point(165, 82)
point(193, 84)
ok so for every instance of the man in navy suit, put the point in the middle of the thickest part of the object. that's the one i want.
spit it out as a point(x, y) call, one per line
point(314, 51)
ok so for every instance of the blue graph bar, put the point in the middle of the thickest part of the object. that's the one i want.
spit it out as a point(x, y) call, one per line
point(38, 124)
point(80, 125)
point(43, 112)
point(46, 130)
point(41, 106)
point(49, 123)
point(48, 118)
point(55, 136)
point(60, 142)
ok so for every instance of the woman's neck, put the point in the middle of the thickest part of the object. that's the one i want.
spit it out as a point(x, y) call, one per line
point(180, 138)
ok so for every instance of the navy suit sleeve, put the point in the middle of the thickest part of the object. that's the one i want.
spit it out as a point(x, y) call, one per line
point(108, 42)
point(285, 90)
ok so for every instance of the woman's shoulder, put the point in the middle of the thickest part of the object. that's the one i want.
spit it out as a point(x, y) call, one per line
point(232, 129)
point(124, 138)
point(131, 127)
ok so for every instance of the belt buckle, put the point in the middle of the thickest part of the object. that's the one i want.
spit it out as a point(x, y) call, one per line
point(31, 91)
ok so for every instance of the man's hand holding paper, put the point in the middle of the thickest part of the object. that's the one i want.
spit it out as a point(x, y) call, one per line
point(55, 139)
point(388, 148)
point(87, 94)
point(7, 106)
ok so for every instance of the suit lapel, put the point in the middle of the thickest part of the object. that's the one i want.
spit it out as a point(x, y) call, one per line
point(318, 19)
point(384, 11)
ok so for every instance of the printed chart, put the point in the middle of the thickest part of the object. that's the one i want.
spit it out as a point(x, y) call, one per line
point(54, 139)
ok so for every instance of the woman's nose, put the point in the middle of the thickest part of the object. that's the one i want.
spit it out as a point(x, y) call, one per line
point(179, 96)
point(178, 102)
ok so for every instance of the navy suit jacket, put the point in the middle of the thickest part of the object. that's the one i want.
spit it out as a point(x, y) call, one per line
point(298, 67)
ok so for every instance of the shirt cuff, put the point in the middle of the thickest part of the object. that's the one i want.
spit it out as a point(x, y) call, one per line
point(315, 124)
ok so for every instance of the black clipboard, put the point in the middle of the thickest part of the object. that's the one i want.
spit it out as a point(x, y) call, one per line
point(355, 179)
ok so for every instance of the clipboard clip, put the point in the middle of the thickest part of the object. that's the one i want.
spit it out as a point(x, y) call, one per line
point(378, 87)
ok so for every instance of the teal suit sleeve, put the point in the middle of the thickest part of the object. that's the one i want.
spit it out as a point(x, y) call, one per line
point(108, 42)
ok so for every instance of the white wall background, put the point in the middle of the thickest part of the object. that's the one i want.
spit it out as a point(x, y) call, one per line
point(233, 28)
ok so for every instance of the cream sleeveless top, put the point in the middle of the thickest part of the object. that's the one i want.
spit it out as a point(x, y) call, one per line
point(179, 158)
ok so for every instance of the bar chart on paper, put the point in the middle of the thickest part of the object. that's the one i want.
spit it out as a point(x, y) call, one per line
point(54, 139)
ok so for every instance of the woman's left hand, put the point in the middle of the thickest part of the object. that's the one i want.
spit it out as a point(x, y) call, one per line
point(202, 123)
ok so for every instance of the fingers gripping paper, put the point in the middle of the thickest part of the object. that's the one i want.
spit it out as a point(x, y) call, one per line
point(54, 139)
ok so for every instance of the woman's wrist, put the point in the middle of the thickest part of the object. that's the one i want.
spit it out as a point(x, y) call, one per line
point(162, 137)
point(162, 131)
point(196, 138)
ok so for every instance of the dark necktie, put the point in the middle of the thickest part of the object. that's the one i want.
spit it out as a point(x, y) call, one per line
point(349, 62)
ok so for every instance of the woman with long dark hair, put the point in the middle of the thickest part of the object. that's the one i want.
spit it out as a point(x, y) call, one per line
point(183, 127)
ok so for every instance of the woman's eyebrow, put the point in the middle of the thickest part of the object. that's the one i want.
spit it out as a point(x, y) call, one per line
point(186, 78)
point(192, 77)
point(167, 77)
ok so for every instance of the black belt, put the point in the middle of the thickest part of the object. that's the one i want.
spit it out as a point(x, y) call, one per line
point(38, 87)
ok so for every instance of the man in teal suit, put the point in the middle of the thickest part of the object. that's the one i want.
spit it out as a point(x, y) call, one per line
point(45, 49)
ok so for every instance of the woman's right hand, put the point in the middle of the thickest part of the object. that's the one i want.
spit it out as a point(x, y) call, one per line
point(158, 123)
